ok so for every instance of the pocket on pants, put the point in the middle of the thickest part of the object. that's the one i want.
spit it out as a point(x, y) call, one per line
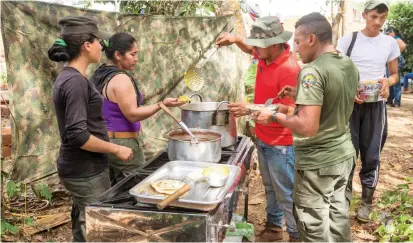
point(334, 170)
point(309, 220)
point(304, 194)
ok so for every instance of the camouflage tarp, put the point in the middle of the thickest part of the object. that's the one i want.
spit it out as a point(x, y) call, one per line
point(167, 48)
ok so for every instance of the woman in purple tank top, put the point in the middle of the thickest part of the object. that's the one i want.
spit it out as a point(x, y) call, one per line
point(123, 104)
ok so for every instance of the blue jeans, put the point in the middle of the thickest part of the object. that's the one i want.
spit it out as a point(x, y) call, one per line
point(395, 95)
point(407, 76)
point(277, 171)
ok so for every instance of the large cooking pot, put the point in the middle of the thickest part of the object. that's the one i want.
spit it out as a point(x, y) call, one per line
point(212, 116)
point(208, 149)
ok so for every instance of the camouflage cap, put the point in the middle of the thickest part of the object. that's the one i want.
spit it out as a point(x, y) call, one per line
point(267, 31)
point(372, 4)
point(72, 25)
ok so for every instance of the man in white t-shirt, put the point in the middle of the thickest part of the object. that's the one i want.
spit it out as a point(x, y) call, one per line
point(371, 51)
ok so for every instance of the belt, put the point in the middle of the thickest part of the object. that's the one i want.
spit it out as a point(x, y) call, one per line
point(123, 134)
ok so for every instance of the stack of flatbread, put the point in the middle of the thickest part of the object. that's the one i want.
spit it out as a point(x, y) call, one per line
point(167, 186)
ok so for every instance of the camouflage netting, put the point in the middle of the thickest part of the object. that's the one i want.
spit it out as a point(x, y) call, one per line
point(168, 46)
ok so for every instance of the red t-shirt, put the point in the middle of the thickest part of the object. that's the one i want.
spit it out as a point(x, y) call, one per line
point(269, 81)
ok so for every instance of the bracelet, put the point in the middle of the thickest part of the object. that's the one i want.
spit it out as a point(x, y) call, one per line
point(273, 116)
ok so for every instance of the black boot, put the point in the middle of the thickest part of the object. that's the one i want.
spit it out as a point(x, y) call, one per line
point(366, 203)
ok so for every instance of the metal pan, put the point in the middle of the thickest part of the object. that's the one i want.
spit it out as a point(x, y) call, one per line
point(201, 197)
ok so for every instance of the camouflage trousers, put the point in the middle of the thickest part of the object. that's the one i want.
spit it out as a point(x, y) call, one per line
point(119, 169)
point(84, 191)
point(321, 203)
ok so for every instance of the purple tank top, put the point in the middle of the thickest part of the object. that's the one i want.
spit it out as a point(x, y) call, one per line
point(116, 121)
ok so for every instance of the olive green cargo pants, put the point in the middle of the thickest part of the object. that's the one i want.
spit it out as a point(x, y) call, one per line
point(84, 192)
point(119, 169)
point(321, 202)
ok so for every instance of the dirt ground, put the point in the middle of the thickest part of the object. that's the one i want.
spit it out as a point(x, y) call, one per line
point(397, 163)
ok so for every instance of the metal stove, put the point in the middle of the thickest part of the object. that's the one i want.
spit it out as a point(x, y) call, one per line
point(117, 216)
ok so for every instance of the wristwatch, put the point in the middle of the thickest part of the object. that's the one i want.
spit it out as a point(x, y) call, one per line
point(273, 116)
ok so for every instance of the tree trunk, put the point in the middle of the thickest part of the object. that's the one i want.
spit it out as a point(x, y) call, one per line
point(347, 15)
point(332, 10)
point(336, 23)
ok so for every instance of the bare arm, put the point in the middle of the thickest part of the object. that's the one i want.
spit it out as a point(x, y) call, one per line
point(394, 72)
point(285, 109)
point(226, 39)
point(402, 44)
point(94, 144)
point(306, 122)
point(122, 92)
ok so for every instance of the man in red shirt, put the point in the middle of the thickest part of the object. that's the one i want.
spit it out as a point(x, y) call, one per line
point(276, 68)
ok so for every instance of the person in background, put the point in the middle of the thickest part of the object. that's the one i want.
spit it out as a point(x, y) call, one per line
point(395, 95)
point(276, 68)
point(406, 78)
point(325, 155)
point(371, 51)
point(82, 163)
point(123, 108)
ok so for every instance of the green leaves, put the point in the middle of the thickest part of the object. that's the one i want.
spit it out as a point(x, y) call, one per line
point(29, 221)
point(398, 204)
point(7, 227)
point(400, 17)
point(170, 8)
point(403, 186)
point(375, 216)
point(13, 188)
point(45, 192)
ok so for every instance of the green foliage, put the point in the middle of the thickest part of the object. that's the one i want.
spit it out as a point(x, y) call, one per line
point(45, 192)
point(29, 221)
point(7, 227)
point(400, 17)
point(355, 199)
point(3, 78)
point(13, 188)
point(398, 225)
point(167, 8)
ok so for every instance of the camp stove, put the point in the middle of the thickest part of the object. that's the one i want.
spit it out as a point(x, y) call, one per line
point(117, 216)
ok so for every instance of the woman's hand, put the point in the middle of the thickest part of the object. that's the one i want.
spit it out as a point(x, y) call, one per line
point(123, 153)
point(173, 102)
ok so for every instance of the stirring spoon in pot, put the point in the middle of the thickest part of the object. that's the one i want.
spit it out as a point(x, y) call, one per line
point(184, 127)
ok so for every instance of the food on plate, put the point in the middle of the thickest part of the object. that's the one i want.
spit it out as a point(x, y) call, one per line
point(167, 186)
point(257, 107)
point(216, 175)
point(222, 170)
point(184, 98)
point(195, 175)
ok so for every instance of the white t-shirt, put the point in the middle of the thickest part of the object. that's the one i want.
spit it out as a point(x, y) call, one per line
point(370, 54)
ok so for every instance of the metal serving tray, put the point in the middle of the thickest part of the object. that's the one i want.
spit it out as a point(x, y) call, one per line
point(200, 197)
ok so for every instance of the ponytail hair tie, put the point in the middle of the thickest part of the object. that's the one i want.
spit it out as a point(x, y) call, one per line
point(106, 43)
point(60, 42)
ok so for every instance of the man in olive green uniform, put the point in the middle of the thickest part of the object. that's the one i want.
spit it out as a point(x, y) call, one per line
point(325, 155)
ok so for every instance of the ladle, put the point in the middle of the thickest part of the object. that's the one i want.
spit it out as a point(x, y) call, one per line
point(184, 127)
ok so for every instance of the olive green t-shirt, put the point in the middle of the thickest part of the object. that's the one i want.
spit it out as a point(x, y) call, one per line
point(330, 82)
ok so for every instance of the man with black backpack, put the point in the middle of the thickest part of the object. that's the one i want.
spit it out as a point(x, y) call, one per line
point(371, 51)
